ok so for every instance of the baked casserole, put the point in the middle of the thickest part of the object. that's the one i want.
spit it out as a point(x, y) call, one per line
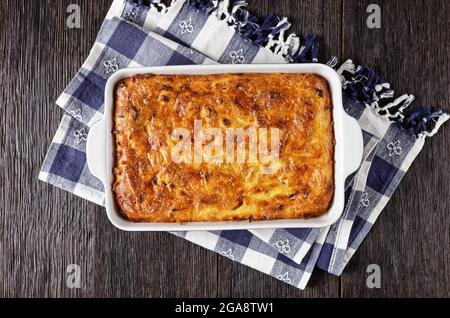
point(152, 185)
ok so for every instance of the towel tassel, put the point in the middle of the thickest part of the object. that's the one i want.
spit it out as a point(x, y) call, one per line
point(271, 33)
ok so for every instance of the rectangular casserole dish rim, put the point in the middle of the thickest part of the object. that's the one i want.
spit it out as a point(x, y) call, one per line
point(347, 154)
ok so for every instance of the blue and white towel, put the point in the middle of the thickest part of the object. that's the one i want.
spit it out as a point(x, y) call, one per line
point(148, 33)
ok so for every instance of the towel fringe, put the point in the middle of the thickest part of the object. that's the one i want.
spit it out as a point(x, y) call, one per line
point(438, 123)
point(364, 85)
point(400, 103)
point(159, 6)
point(425, 121)
point(272, 33)
point(156, 5)
point(308, 52)
point(333, 61)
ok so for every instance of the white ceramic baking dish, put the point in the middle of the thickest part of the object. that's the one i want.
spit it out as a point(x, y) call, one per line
point(348, 150)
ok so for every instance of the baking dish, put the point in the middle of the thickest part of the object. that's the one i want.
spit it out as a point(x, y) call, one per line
point(347, 155)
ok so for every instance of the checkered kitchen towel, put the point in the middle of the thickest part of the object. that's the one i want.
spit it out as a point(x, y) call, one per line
point(147, 33)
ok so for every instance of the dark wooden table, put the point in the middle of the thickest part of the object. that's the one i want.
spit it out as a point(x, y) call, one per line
point(43, 229)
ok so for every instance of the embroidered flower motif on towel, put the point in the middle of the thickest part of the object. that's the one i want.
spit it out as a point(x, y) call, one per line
point(80, 136)
point(237, 57)
point(394, 148)
point(76, 114)
point(284, 278)
point(228, 253)
point(283, 246)
point(131, 15)
point(111, 65)
point(364, 202)
point(186, 26)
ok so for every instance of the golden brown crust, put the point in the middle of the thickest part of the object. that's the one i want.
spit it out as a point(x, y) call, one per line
point(150, 187)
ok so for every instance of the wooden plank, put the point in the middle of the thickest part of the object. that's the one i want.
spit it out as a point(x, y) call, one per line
point(151, 265)
point(43, 229)
point(322, 18)
point(411, 238)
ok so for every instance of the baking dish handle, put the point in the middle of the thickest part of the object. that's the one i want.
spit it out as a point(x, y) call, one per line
point(96, 150)
point(353, 145)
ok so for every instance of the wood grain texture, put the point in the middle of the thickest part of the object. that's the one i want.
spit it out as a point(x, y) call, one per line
point(411, 239)
point(44, 229)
